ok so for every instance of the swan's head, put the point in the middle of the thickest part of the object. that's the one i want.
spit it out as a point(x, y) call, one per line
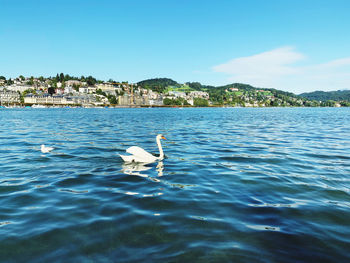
point(160, 136)
point(42, 146)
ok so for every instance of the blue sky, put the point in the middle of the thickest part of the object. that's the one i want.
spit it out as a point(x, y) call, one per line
point(293, 45)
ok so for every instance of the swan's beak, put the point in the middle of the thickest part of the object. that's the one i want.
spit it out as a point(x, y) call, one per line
point(163, 137)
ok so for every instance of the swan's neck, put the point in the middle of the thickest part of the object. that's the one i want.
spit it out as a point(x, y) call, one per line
point(161, 153)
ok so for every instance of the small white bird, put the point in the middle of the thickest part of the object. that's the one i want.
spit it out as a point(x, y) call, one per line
point(139, 155)
point(45, 149)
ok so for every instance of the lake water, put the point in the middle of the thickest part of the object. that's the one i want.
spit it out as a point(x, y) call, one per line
point(237, 185)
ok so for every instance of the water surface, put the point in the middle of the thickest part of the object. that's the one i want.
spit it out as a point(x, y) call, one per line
point(237, 185)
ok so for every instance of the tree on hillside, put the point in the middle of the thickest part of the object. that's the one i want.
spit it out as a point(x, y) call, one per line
point(91, 81)
point(30, 82)
point(112, 99)
point(61, 77)
point(67, 77)
point(194, 85)
point(51, 90)
point(76, 87)
point(199, 102)
point(175, 101)
point(339, 95)
point(100, 92)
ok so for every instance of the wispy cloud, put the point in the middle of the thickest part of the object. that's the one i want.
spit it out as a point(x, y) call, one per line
point(279, 69)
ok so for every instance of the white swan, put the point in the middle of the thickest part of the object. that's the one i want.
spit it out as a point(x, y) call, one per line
point(139, 155)
point(45, 149)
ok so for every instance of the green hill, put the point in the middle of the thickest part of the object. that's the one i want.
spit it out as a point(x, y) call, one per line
point(243, 94)
point(340, 95)
point(158, 84)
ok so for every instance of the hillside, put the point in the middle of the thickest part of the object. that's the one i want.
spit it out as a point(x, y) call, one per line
point(165, 84)
point(233, 94)
point(157, 84)
point(340, 95)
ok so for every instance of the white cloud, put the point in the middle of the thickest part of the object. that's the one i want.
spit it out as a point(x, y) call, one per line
point(336, 63)
point(278, 69)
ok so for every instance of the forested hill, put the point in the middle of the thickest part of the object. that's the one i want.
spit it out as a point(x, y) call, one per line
point(239, 94)
point(158, 84)
point(245, 88)
point(340, 95)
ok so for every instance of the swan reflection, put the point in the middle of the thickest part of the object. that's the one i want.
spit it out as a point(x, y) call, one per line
point(138, 168)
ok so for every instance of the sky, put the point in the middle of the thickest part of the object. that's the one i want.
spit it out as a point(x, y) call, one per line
point(291, 45)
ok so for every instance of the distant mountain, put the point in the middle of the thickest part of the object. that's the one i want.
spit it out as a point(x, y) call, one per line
point(340, 95)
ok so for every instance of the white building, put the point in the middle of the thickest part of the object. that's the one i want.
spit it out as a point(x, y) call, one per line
point(54, 100)
point(87, 90)
point(125, 100)
point(9, 97)
point(68, 89)
point(199, 94)
point(83, 90)
point(105, 87)
point(177, 94)
point(71, 83)
point(19, 88)
point(156, 102)
point(91, 89)
point(153, 95)
point(59, 91)
point(190, 101)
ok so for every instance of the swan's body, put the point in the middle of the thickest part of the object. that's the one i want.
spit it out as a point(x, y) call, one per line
point(139, 155)
point(45, 149)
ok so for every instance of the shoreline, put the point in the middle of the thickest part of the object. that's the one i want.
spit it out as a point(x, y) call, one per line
point(41, 106)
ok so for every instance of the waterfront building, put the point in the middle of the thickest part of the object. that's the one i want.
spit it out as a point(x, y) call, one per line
point(84, 99)
point(49, 100)
point(9, 97)
point(141, 100)
point(145, 99)
point(124, 100)
point(156, 102)
point(190, 101)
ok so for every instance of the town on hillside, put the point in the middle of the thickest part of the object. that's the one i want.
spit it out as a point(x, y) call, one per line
point(64, 90)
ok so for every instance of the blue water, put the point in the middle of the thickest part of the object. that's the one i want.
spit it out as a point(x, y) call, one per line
point(237, 185)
